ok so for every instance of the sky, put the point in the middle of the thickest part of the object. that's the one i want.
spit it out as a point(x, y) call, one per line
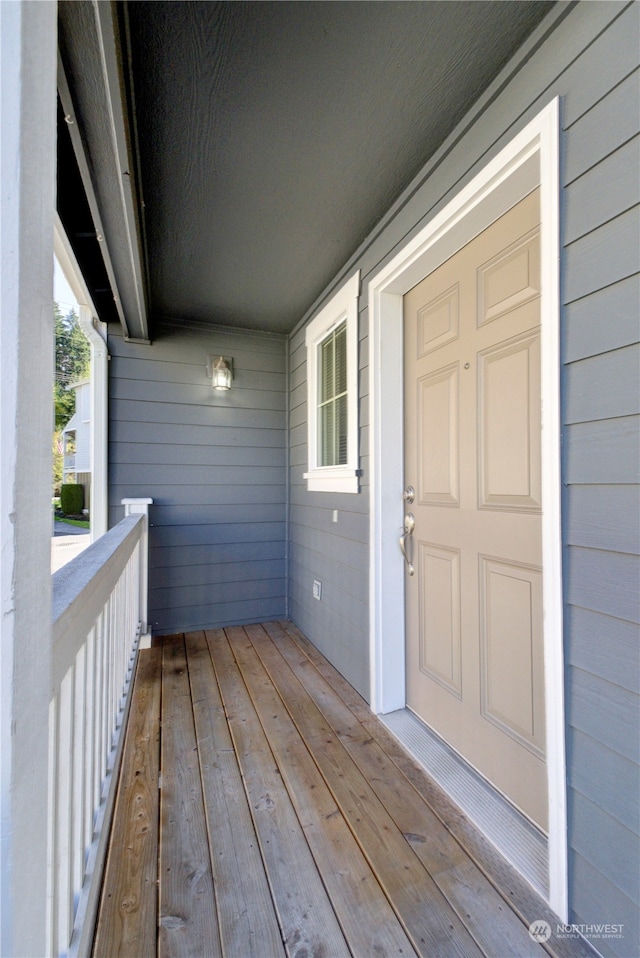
point(62, 292)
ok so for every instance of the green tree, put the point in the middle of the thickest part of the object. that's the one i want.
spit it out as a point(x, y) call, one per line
point(72, 363)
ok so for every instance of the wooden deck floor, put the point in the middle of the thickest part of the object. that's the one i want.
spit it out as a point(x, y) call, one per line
point(288, 821)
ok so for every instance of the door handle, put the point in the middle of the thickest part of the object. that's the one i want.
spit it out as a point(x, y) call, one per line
point(409, 526)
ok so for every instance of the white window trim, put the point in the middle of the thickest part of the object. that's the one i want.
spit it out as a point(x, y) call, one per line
point(342, 307)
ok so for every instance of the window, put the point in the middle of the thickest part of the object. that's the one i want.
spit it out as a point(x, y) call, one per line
point(332, 377)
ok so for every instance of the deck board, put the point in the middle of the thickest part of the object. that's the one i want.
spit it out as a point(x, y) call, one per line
point(187, 917)
point(430, 922)
point(465, 887)
point(291, 822)
point(248, 921)
point(127, 913)
point(308, 922)
point(363, 910)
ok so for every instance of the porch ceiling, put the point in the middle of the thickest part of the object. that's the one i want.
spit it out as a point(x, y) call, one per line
point(266, 139)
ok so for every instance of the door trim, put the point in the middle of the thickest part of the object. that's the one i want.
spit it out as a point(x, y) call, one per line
point(531, 159)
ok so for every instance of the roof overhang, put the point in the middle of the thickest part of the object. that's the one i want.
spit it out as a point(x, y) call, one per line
point(91, 89)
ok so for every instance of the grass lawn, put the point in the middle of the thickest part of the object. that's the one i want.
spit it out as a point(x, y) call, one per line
point(81, 523)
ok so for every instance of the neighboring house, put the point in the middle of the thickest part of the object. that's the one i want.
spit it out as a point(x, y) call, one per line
point(76, 437)
point(284, 496)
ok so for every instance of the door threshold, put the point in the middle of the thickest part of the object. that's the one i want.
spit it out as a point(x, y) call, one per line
point(517, 839)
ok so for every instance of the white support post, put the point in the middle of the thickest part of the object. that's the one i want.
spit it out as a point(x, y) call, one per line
point(27, 192)
point(134, 507)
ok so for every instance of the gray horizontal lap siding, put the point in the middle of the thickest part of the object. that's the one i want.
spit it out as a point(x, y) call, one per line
point(215, 466)
point(590, 60)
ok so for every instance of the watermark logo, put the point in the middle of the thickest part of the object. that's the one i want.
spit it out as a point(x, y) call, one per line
point(540, 930)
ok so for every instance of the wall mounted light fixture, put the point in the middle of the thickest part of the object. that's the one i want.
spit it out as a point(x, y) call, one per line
point(220, 372)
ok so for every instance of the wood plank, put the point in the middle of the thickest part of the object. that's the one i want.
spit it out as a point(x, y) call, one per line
point(367, 919)
point(462, 883)
point(309, 926)
point(248, 922)
point(127, 915)
point(517, 892)
point(432, 925)
point(187, 921)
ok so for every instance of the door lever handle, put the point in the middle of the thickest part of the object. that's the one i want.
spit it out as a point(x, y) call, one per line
point(409, 526)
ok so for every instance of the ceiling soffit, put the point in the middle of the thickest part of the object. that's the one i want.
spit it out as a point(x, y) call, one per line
point(266, 140)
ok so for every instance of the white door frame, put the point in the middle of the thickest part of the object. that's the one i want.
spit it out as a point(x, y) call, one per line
point(530, 160)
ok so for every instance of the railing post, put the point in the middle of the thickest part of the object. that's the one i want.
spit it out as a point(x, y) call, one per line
point(141, 507)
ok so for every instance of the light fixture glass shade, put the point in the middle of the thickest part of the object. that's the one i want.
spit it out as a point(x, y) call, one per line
point(221, 374)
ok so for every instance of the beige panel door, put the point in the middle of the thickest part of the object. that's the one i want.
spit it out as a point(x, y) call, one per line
point(472, 454)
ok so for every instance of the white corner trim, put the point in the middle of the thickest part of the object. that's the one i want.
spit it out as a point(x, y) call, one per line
point(343, 306)
point(530, 160)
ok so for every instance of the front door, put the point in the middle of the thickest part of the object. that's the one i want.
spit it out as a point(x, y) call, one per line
point(475, 671)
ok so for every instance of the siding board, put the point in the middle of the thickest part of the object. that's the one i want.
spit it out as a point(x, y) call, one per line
point(600, 902)
point(603, 518)
point(187, 456)
point(204, 495)
point(217, 573)
point(215, 466)
point(242, 612)
point(603, 257)
point(129, 411)
point(606, 778)
point(609, 125)
point(199, 395)
point(605, 647)
point(604, 386)
point(603, 452)
point(604, 582)
point(604, 834)
point(605, 713)
point(167, 557)
point(141, 474)
point(602, 321)
point(604, 192)
point(614, 50)
point(215, 533)
point(199, 434)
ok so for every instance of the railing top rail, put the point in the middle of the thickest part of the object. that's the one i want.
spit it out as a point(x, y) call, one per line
point(82, 587)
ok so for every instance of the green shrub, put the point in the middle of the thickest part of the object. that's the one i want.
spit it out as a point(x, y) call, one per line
point(71, 497)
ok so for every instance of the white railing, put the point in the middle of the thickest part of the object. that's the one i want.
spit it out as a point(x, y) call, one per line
point(99, 615)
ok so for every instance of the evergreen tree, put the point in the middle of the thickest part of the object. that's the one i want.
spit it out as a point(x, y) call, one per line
point(72, 363)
